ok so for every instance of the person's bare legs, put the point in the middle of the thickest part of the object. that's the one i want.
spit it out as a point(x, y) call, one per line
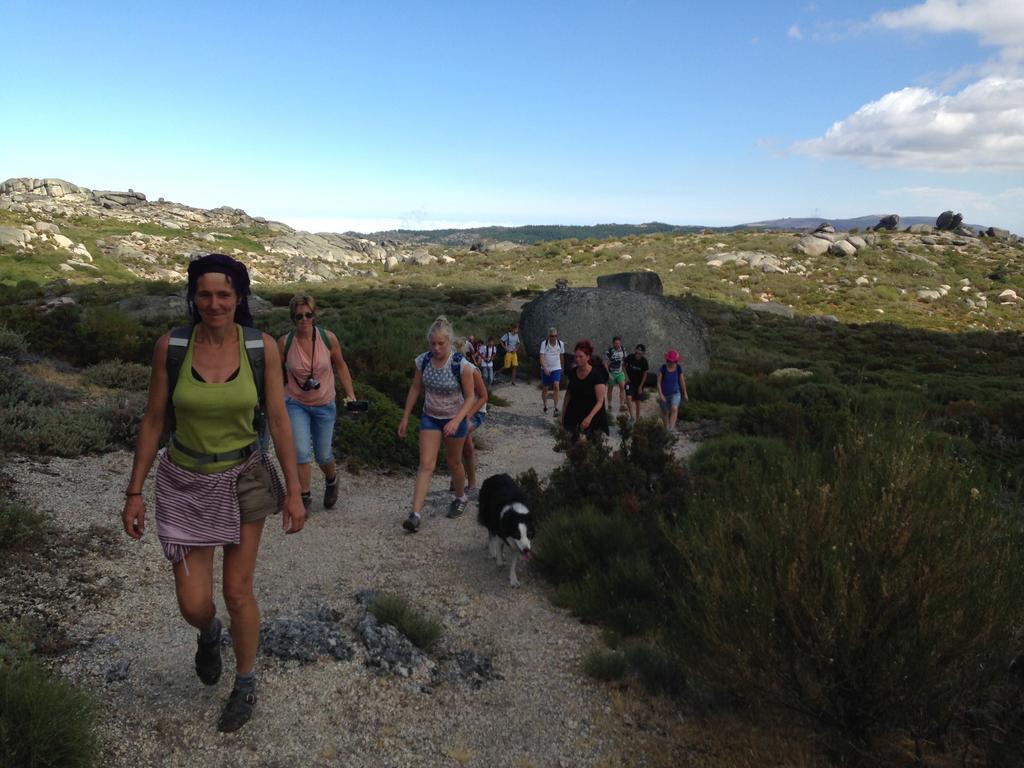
point(673, 416)
point(453, 456)
point(554, 394)
point(193, 585)
point(469, 460)
point(239, 572)
point(430, 444)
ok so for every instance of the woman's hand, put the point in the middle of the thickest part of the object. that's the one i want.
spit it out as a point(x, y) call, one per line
point(451, 427)
point(134, 516)
point(403, 425)
point(585, 424)
point(293, 516)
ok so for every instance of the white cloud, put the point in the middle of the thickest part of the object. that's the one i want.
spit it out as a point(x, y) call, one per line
point(794, 32)
point(981, 127)
point(999, 23)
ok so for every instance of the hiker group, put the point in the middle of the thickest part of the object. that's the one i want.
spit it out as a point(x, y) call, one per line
point(218, 386)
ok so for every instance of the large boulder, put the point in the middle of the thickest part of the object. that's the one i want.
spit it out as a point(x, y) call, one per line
point(889, 222)
point(812, 246)
point(642, 282)
point(949, 221)
point(599, 314)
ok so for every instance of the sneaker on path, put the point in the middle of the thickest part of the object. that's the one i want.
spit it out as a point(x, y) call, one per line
point(237, 711)
point(331, 493)
point(457, 507)
point(411, 523)
point(208, 662)
point(556, 413)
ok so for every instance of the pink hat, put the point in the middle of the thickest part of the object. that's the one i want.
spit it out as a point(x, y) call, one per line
point(672, 356)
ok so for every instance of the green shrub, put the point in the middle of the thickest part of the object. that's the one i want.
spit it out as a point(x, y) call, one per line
point(12, 343)
point(20, 526)
point(606, 665)
point(372, 437)
point(872, 586)
point(18, 388)
point(731, 387)
point(45, 722)
point(424, 631)
point(41, 430)
point(123, 417)
point(115, 374)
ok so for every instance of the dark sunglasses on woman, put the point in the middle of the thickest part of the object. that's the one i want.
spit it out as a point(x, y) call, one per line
point(299, 315)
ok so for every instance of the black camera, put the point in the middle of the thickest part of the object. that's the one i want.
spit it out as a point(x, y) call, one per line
point(310, 383)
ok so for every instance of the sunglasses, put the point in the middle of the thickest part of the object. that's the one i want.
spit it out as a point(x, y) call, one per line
point(299, 315)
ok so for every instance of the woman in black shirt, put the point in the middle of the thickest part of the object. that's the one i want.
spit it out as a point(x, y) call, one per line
point(586, 386)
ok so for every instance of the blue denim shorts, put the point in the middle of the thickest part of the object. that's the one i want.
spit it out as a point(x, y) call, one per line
point(671, 401)
point(429, 422)
point(312, 430)
point(478, 419)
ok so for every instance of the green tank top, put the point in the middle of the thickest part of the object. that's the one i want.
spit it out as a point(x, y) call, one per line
point(213, 418)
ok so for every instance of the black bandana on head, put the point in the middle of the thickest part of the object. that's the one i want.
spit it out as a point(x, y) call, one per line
point(237, 275)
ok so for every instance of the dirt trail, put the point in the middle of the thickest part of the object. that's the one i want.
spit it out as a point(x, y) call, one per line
point(136, 652)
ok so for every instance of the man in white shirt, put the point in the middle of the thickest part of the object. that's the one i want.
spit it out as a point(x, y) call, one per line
point(551, 351)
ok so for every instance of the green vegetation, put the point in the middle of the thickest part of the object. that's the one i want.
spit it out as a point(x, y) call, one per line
point(422, 630)
point(868, 582)
point(20, 526)
point(45, 722)
point(114, 374)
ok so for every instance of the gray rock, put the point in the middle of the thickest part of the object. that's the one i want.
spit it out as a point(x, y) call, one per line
point(812, 246)
point(641, 282)
point(118, 671)
point(599, 314)
point(13, 236)
point(890, 222)
point(825, 227)
point(391, 264)
point(170, 308)
point(996, 232)
point(928, 296)
point(387, 649)
point(949, 221)
point(46, 226)
point(790, 374)
point(920, 229)
point(842, 248)
point(305, 638)
point(773, 308)
point(857, 241)
point(63, 242)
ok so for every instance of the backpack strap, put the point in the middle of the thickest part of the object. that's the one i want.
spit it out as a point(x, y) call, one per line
point(177, 348)
point(291, 337)
point(456, 364)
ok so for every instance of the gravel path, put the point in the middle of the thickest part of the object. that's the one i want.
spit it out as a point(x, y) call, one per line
point(117, 610)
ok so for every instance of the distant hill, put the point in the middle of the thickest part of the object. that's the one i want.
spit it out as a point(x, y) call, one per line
point(536, 233)
point(845, 225)
point(525, 235)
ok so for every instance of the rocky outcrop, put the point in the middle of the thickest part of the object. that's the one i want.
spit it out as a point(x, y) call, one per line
point(642, 282)
point(890, 222)
point(599, 314)
point(948, 221)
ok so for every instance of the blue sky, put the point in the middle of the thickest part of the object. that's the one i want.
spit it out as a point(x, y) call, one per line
point(358, 115)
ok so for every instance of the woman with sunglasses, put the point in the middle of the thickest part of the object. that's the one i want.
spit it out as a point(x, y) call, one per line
point(311, 357)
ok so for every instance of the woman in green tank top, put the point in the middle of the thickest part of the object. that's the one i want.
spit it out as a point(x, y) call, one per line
point(213, 487)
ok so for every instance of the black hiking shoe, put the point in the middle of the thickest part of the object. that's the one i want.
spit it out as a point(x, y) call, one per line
point(237, 711)
point(208, 664)
point(457, 507)
point(331, 493)
point(412, 523)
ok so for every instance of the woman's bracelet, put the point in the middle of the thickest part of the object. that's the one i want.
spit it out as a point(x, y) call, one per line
point(130, 493)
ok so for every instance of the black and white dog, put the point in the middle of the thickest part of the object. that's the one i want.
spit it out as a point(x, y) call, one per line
point(503, 512)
